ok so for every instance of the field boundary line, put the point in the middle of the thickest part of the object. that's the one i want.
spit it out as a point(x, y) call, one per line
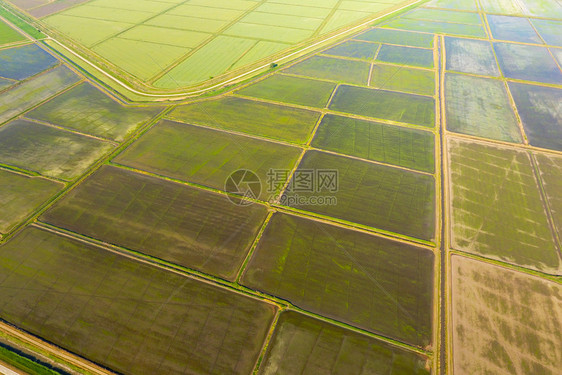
point(242, 269)
point(197, 92)
point(367, 86)
point(68, 130)
point(513, 267)
point(56, 351)
point(502, 144)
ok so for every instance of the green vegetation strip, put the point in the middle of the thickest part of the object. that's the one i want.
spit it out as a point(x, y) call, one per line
point(497, 209)
point(378, 196)
point(370, 282)
point(24, 363)
point(331, 349)
point(208, 157)
point(20, 22)
point(170, 221)
point(124, 314)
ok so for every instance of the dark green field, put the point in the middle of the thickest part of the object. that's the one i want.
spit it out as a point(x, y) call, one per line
point(550, 169)
point(177, 223)
point(21, 195)
point(249, 116)
point(382, 197)
point(293, 90)
point(206, 156)
point(405, 147)
point(49, 151)
point(387, 105)
point(370, 282)
point(307, 346)
point(124, 314)
point(87, 110)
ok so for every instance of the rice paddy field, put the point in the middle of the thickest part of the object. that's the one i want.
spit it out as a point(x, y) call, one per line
point(168, 45)
point(385, 203)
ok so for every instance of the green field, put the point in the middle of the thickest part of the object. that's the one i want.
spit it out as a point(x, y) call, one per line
point(410, 148)
point(166, 220)
point(382, 197)
point(173, 45)
point(205, 156)
point(249, 116)
point(369, 282)
point(339, 70)
point(470, 56)
point(422, 58)
point(550, 169)
point(504, 320)
point(9, 35)
point(498, 212)
point(23, 62)
point(537, 108)
point(400, 78)
point(21, 195)
point(124, 314)
point(333, 350)
point(386, 105)
point(49, 151)
point(137, 57)
point(480, 106)
point(529, 63)
point(87, 110)
point(293, 90)
point(32, 92)
point(400, 37)
point(354, 49)
point(514, 29)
